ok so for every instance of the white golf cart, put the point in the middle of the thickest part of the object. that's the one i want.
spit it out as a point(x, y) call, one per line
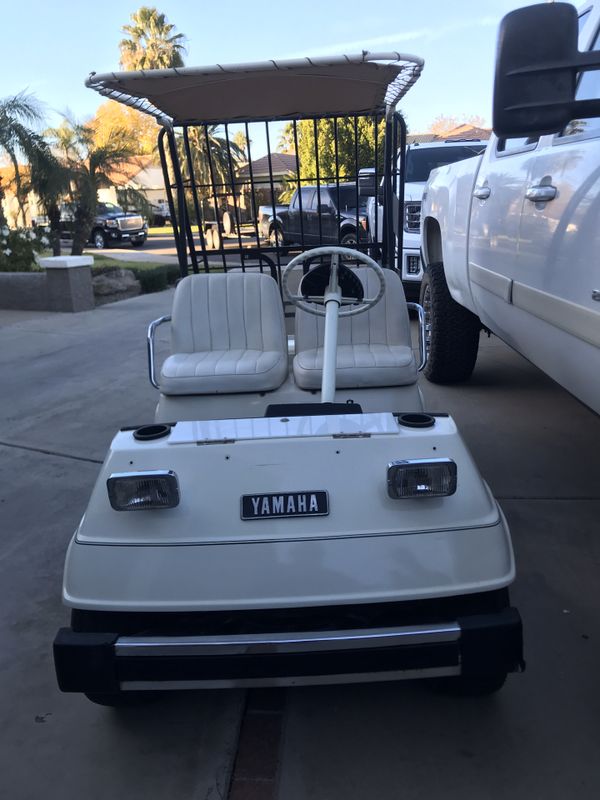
point(293, 515)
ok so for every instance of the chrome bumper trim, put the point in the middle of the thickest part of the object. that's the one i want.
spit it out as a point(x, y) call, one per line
point(302, 680)
point(253, 644)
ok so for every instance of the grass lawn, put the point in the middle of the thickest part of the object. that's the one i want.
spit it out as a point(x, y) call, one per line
point(107, 261)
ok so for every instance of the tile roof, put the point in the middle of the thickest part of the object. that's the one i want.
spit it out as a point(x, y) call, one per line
point(281, 164)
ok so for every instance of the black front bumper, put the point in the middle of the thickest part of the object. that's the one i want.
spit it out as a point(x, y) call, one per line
point(218, 649)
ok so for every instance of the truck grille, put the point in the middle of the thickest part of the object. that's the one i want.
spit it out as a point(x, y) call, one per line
point(412, 216)
point(130, 223)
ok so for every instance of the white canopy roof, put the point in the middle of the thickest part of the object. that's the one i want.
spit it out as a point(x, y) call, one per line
point(308, 87)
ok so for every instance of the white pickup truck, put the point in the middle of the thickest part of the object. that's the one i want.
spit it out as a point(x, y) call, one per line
point(421, 159)
point(511, 244)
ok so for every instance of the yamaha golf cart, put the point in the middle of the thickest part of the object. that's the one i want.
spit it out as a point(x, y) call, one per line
point(293, 515)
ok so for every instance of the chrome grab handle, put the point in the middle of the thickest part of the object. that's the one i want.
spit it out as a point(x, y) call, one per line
point(482, 192)
point(541, 193)
point(150, 342)
point(422, 348)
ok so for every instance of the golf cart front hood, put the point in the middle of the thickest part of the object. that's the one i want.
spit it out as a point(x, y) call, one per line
point(346, 456)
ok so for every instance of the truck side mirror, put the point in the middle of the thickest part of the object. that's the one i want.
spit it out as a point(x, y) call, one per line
point(536, 71)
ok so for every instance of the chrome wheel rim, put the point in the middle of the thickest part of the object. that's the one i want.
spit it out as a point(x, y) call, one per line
point(427, 310)
point(98, 241)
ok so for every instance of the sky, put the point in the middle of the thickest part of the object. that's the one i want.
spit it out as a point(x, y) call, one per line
point(49, 48)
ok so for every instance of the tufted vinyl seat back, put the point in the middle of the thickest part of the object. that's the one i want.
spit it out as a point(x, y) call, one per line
point(374, 348)
point(227, 335)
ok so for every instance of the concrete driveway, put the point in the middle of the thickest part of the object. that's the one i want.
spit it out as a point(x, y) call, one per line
point(69, 381)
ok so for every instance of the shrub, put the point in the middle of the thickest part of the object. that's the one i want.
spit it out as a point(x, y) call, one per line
point(173, 273)
point(151, 280)
point(18, 248)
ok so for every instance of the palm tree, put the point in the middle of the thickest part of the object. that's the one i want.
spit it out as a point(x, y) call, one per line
point(50, 179)
point(152, 43)
point(92, 167)
point(217, 169)
point(17, 114)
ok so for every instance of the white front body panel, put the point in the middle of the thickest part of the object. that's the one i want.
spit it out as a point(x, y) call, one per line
point(368, 548)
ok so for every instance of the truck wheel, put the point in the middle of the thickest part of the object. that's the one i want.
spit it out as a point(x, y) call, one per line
point(276, 236)
point(349, 240)
point(99, 240)
point(469, 685)
point(451, 331)
point(122, 699)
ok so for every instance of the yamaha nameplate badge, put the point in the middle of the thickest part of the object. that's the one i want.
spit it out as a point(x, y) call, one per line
point(285, 504)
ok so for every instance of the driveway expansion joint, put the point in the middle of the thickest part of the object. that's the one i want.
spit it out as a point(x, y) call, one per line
point(45, 452)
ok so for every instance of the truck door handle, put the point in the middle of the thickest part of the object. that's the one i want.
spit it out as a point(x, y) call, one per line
point(541, 193)
point(482, 192)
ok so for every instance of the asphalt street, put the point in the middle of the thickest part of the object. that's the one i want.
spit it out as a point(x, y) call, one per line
point(69, 381)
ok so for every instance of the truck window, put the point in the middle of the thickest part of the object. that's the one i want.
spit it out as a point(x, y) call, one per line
point(308, 193)
point(419, 163)
point(588, 88)
point(325, 199)
point(516, 143)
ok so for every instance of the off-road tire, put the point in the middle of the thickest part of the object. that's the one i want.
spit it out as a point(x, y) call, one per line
point(469, 685)
point(276, 239)
point(452, 332)
point(349, 239)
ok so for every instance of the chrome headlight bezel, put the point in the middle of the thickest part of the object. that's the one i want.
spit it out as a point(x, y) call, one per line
point(438, 478)
point(149, 490)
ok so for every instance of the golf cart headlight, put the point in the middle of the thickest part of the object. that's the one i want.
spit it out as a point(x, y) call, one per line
point(112, 223)
point(435, 477)
point(133, 491)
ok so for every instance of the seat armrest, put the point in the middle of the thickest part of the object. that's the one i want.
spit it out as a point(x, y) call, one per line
point(150, 341)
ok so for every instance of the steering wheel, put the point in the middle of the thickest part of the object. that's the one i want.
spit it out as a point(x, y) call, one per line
point(334, 279)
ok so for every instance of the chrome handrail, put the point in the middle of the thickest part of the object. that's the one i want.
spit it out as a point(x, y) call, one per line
point(150, 342)
point(422, 344)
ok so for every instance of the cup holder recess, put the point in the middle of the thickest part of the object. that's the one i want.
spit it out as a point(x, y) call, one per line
point(148, 433)
point(416, 420)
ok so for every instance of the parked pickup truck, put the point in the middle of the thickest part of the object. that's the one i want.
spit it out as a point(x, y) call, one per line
point(111, 226)
point(511, 239)
point(266, 219)
point(421, 159)
point(317, 222)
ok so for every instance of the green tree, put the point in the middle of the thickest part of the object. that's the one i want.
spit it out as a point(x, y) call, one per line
point(352, 140)
point(152, 42)
point(17, 115)
point(50, 179)
point(92, 166)
point(216, 168)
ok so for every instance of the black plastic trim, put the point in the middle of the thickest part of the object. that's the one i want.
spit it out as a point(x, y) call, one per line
point(311, 409)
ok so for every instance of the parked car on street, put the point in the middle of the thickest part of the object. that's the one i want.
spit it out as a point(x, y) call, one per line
point(161, 214)
point(511, 239)
point(328, 214)
point(112, 226)
point(421, 159)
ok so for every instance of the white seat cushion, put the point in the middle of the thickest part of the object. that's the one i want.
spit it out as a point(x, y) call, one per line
point(223, 372)
point(358, 366)
point(227, 336)
point(374, 348)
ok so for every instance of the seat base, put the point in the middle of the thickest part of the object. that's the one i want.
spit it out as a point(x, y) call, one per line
point(223, 372)
point(358, 365)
